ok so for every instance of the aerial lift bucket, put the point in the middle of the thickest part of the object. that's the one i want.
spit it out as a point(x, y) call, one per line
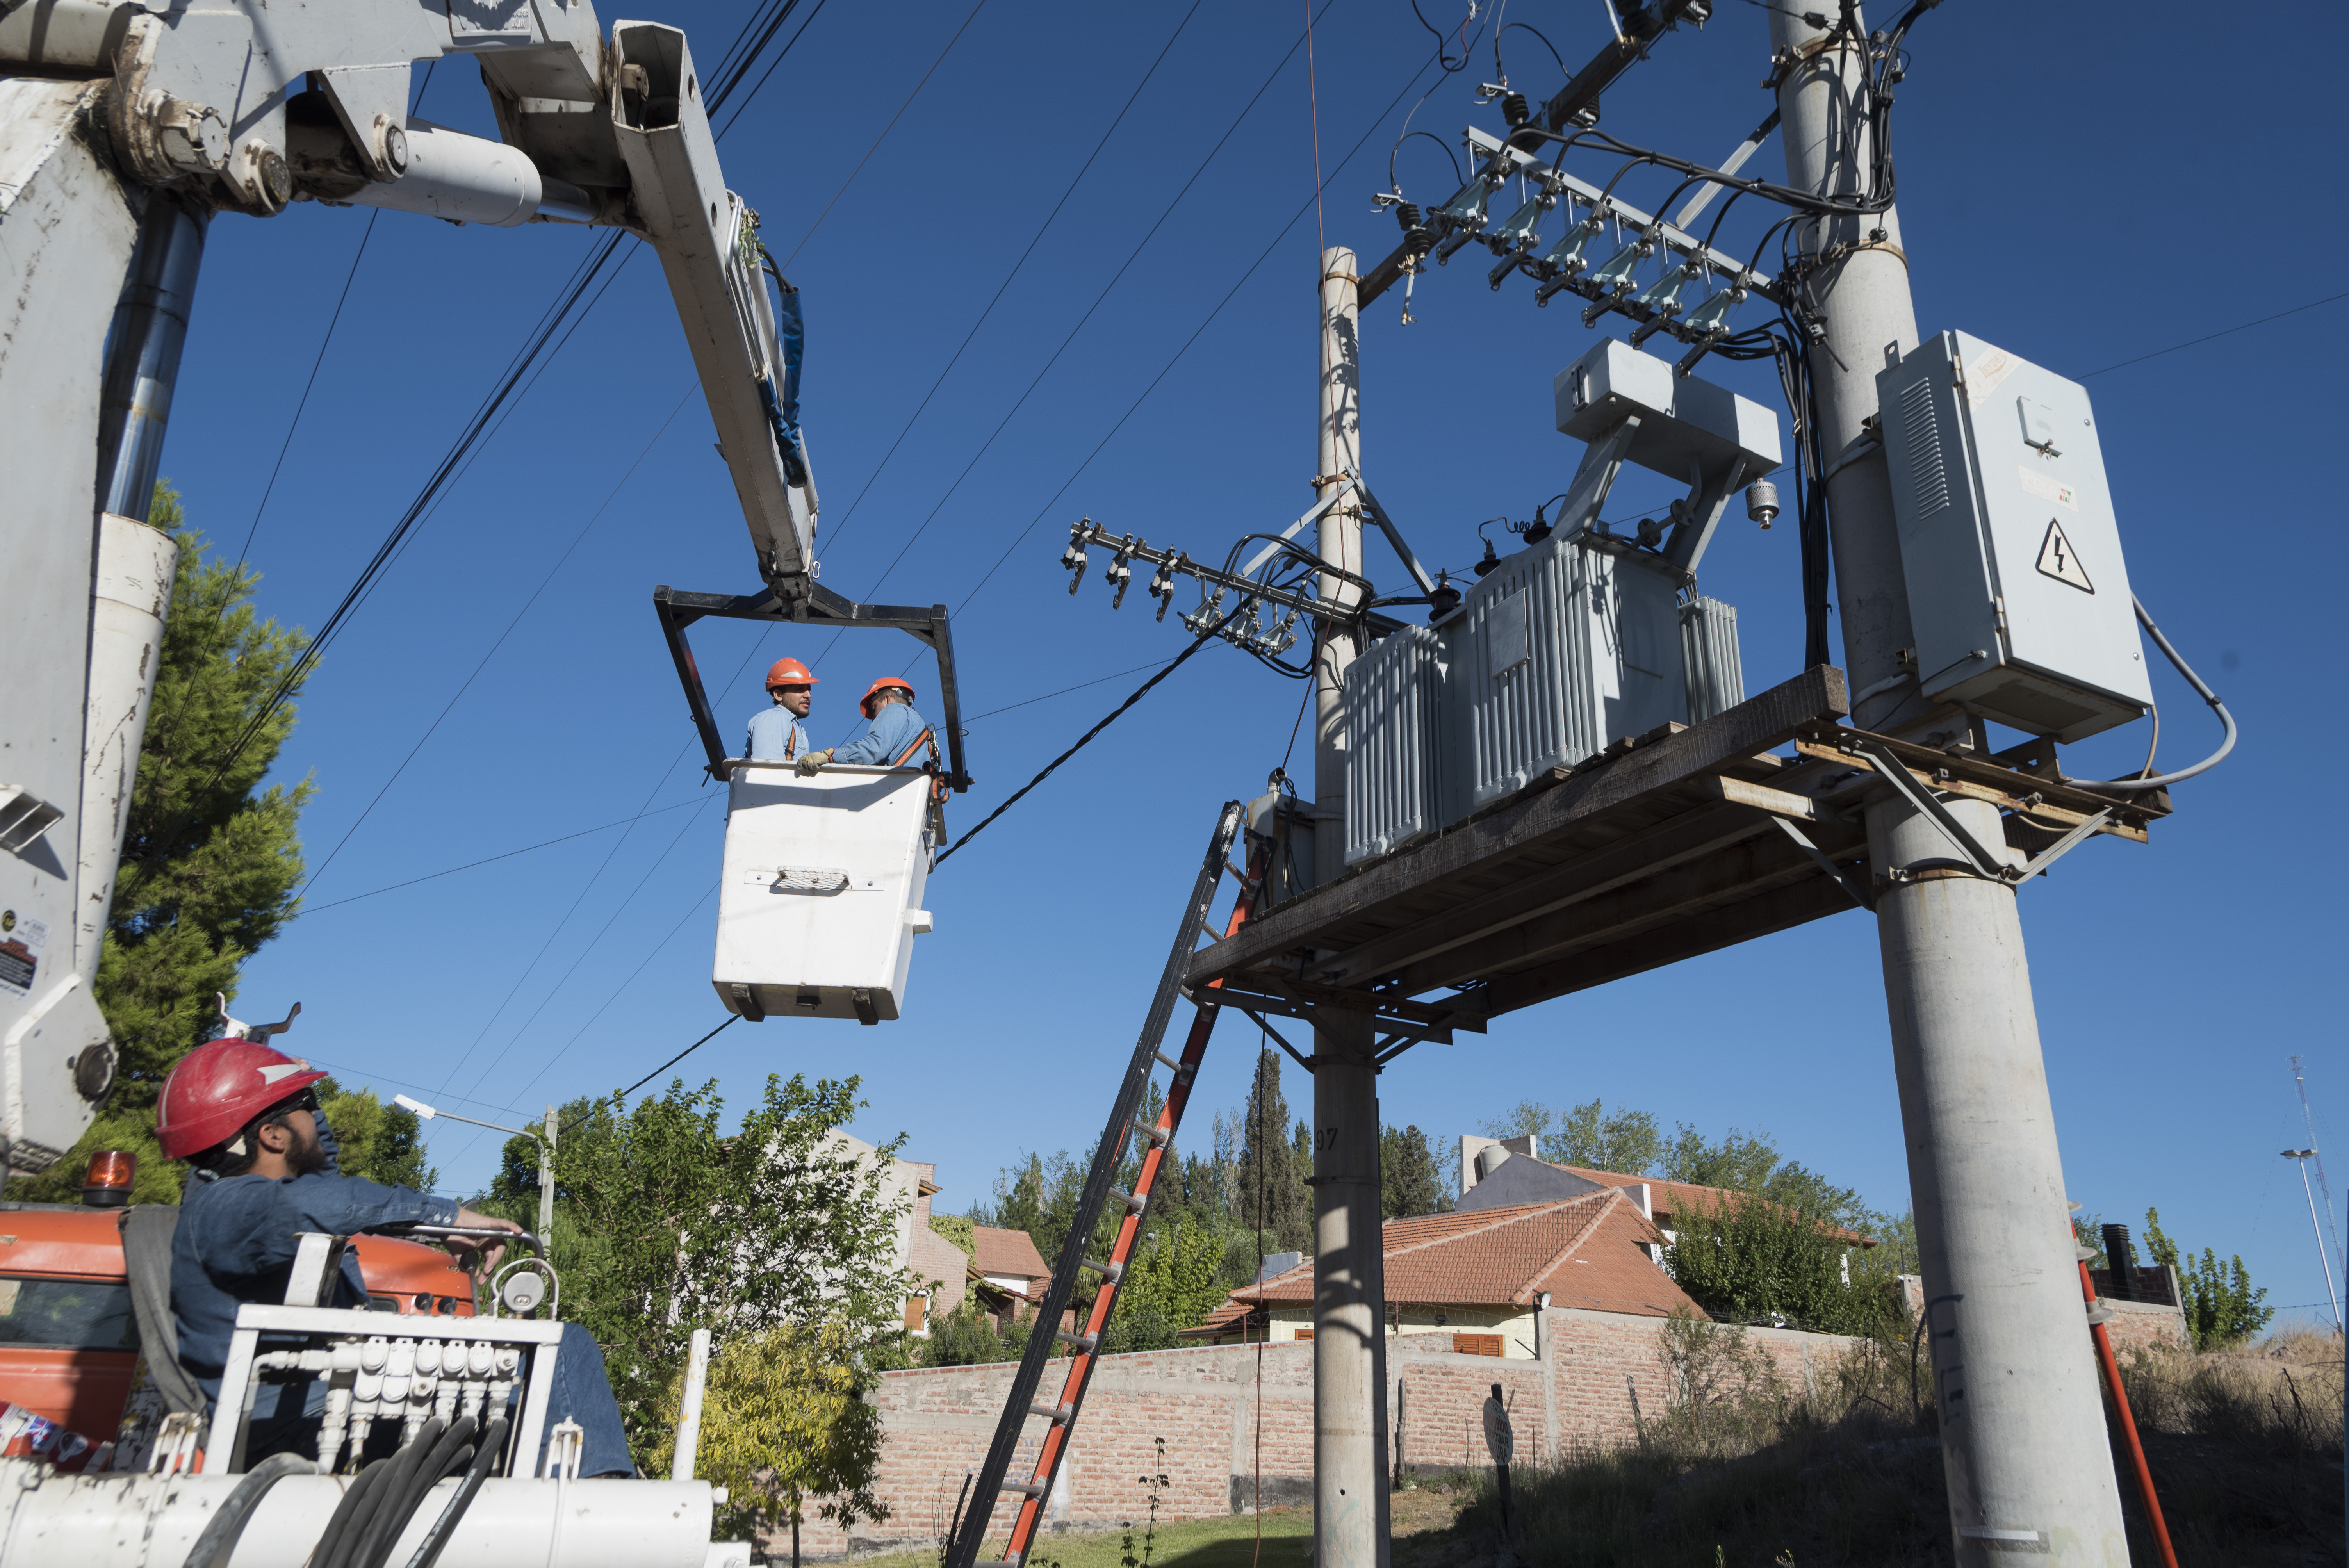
point(822, 897)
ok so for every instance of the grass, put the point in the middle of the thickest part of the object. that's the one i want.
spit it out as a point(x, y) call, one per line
point(1226, 1542)
point(2244, 1445)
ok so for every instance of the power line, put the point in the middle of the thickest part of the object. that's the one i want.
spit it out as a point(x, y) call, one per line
point(1080, 685)
point(731, 1018)
point(1090, 310)
point(885, 130)
point(1034, 241)
point(2226, 332)
point(1135, 405)
point(1083, 740)
point(536, 593)
point(492, 860)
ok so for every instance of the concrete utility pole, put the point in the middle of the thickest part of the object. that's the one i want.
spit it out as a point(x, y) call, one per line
point(1350, 1472)
point(2022, 1427)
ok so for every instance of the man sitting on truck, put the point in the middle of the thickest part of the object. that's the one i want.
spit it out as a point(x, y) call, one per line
point(896, 732)
point(247, 1117)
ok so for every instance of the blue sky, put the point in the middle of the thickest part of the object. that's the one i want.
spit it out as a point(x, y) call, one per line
point(2055, 200)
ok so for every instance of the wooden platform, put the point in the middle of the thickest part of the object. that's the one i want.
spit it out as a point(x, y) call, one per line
point(1667, 847)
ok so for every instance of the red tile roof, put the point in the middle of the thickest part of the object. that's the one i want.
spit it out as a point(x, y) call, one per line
point(1586, 1252)
point(1010, 1254)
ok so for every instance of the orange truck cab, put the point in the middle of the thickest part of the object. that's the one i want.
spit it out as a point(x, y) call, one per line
point(69, 1340)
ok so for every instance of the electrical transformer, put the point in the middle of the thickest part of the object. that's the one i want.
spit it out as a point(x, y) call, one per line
point(1402, 773)
point(2017, 592)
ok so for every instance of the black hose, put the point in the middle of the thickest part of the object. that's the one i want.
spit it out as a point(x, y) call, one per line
point(493, 1443)
point(394, 1499)
point(453, 1452)
point(217, 1544)
point(354, 1498)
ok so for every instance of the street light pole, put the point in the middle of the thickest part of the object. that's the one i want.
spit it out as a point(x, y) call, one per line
point(2302, 1156)
point(545, 1154)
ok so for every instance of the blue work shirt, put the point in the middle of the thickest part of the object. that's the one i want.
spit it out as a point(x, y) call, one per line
point(236, 1242)
point(775, 737)
point(894, 729)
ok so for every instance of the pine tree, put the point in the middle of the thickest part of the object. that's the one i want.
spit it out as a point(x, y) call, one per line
point(1407, 1175)
point(211, 861)
point(1268, 1173)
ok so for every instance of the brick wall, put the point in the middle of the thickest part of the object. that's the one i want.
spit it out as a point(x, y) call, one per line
point(1206, 1403)
point(2142, 1325)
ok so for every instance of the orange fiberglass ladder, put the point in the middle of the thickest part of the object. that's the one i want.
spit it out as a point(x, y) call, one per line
point(1022, 1405)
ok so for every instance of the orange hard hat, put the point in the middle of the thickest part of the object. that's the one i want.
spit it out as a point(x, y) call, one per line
point(884, 684)
point(788, 672)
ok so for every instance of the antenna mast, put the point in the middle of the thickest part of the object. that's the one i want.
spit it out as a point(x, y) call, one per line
point(2333, 1225)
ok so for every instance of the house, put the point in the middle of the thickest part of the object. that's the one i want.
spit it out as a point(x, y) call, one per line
point(1006, 1273)
point(938, 1268)
point(1497, 1172)
point(1482, 1276)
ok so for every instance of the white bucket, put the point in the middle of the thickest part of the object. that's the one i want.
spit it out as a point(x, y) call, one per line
point(822, 896)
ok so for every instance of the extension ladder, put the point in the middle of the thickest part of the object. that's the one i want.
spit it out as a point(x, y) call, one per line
point(1022, 1403)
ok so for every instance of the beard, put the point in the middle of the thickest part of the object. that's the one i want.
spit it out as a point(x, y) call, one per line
point(307, 1157)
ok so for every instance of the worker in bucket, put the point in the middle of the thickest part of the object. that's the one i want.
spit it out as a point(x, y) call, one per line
point(247, 1117)
point(896, 732)
point(777, 734)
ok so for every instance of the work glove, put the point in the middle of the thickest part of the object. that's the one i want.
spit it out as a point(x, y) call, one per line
point(811, 760)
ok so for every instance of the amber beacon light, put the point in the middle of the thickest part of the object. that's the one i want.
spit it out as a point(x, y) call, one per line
point(108, 1183)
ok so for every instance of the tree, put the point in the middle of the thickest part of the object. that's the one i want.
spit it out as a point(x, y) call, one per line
point(1524, 1120)
point(2221, 1305)
point(1747, 1259)
point(379, 1142)
point(673, 1224)
point(209, 860)
point(1407, 1178)
point(1270, 1179)
point(1172, 1284)
point(783, 1420)
point(1625, 1143)
point(1735, 1160)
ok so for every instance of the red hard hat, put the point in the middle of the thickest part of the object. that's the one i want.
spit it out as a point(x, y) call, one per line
point(884, 684)
point(789, 672)
point(219, 1087)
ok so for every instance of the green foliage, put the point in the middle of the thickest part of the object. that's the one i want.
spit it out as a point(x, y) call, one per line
point(968, 1336)
point(1270, 1178)
point(1751, 1163)
point(1747, 1259)
point(784, 1422)
point(2222, 1308)
point(1623, 1143)
point(1526, 1119)
point(667, 1224)
point(1173, 1282)
point(1407, 1179)
point(379, 1142)
point(957, 1229)
point(209, 860)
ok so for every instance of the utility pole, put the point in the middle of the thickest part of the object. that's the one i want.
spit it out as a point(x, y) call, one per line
point(2024, 1444)
point(546, 1186)
point(2308, 1117)
point(2300, 1157)
point(1349, 1493)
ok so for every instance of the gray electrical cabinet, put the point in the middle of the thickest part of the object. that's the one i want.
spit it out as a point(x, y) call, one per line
point(2017, 592)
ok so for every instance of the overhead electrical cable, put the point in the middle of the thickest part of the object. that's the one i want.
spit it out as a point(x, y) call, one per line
point(1099, 299)
point(1209, 320)
point(619, 906)
point(885, 130)
point(1037, 239)
point(508, 855)
point(483, 663)
point(2225, 331)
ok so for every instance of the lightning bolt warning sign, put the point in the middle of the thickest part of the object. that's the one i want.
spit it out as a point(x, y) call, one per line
point(2057, 559)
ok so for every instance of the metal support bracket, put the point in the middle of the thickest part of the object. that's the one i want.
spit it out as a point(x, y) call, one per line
point(1976, 856)
point(1849, 883)
point(1601, 462)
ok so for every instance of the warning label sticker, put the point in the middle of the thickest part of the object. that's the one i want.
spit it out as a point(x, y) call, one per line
point(2046, 488)
point(2057, 559)
point(21, 941)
